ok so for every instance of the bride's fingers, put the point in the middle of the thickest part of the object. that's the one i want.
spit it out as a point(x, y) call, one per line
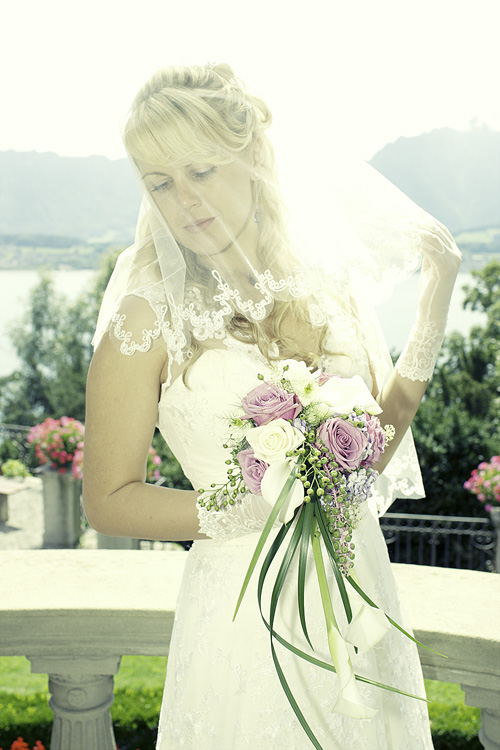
point(440, 248)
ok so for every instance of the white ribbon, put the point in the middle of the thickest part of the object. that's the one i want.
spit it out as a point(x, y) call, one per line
point(272, 484)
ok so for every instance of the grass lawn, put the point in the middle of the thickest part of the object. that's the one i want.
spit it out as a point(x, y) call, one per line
point(145, 675)
point(135, 672)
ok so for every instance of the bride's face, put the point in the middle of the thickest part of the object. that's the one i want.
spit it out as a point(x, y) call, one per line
point(208, 208)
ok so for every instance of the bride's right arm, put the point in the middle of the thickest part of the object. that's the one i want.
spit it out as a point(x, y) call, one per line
point(121, 411)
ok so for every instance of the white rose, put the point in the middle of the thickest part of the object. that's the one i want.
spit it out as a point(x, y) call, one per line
point(343, 394)
point(272, 441)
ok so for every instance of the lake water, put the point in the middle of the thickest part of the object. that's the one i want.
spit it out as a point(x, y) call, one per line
point(396, 316)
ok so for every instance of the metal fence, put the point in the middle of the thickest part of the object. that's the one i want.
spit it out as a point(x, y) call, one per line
point(445, 541)
point(13, 442)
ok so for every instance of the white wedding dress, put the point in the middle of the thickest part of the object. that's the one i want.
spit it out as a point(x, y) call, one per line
point(222, 691)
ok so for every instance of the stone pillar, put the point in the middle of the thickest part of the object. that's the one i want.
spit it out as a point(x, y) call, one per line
point(486, 697)
point(82, 694)
point(4, 508)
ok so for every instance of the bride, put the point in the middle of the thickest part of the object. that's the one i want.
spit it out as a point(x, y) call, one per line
point(220, 285)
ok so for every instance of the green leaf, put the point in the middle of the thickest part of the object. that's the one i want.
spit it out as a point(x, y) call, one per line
point(278, 586)
point(285, 564)
point(298, 713)
point(304, 546)
point(319, 514)
point(329, 667)
point(298, 652)
point(265, 533)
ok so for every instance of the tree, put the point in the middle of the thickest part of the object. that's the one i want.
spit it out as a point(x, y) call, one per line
point(53, 344)
point(458, 423)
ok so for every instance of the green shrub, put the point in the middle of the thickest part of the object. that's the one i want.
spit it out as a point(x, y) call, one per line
point(14, 468)
point(455, 727)
point(28, 716)
point(135, 715)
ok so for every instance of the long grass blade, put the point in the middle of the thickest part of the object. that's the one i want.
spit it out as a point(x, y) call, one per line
point(298, 713)
point(326, 665)
point(285, 565)
point(304, 547)
point(265, 533)
point(323, 527)
point(277, 588)
point(298, 652)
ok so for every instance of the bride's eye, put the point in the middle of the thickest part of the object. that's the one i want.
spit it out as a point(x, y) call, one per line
point(201, 174)
point(162, 186)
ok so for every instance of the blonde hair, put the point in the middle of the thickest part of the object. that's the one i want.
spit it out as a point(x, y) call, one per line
point(205, 112)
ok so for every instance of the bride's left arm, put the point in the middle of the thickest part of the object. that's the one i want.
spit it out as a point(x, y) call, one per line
point(400, 397)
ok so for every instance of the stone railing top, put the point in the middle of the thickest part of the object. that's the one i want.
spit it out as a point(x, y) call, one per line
point(123, 602)
point(92, 580)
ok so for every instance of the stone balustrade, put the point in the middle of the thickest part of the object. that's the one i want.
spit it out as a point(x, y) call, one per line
point(74, 613)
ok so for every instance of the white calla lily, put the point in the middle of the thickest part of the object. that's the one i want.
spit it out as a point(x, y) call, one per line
point(367, 628)
point(349, 702)
point(343, 394)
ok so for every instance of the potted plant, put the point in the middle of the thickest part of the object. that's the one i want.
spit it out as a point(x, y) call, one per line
point(484, 482)
point(58, 446)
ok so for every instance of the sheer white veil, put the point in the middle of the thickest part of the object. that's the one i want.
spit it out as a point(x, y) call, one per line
point(217, 254)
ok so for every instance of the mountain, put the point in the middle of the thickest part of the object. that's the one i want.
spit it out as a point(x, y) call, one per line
point(91, 198)
point(454, 175)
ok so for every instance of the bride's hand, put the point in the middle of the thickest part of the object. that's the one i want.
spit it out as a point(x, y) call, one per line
point(440, 266)
point(441, 262)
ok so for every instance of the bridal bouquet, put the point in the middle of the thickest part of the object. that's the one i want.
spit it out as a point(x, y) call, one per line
point(307, 443)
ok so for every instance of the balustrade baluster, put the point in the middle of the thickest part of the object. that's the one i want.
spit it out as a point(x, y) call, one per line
point(82, 694)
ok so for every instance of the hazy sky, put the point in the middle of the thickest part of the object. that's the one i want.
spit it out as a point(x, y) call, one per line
point(362, 71)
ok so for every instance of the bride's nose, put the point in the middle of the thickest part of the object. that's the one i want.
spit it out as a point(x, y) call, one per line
point(187, 196)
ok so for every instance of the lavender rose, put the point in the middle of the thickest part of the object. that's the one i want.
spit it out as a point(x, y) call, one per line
point(347, 443)
point(252, 470)
point(376, 438)
point(266, 402)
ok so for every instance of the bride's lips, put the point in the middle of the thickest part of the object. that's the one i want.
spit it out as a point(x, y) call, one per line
point(199, 226)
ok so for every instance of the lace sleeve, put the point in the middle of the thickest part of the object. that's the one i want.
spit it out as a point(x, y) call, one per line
point(420, 354)
point(248, 515)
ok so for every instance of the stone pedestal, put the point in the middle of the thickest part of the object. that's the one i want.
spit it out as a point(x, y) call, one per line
point(82, 694)
point(61, 509)
point(116, 542)
point(4, 508)
point(7, 487)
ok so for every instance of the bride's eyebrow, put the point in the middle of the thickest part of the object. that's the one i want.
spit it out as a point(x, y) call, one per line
point(163, 174)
